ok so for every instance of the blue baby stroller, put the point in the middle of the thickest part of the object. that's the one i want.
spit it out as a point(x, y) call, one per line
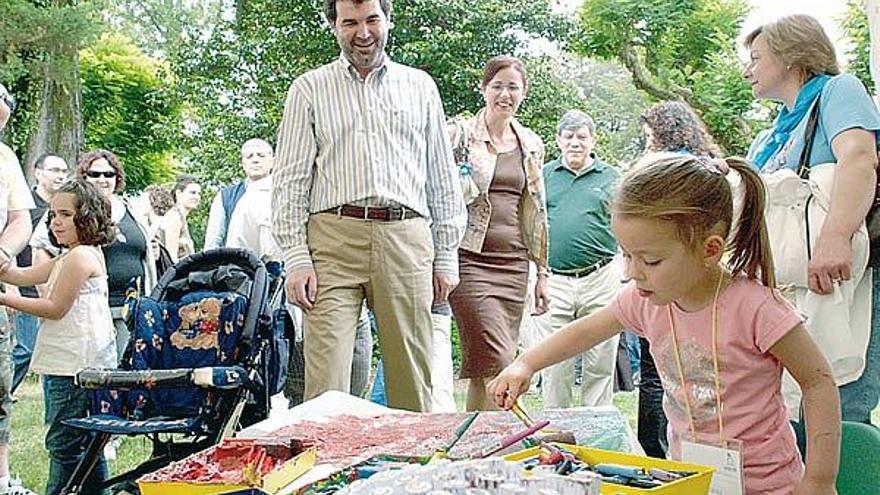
point(208, 348)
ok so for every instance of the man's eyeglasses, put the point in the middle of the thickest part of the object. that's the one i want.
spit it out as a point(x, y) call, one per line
point(107, 174)
point(10, 102)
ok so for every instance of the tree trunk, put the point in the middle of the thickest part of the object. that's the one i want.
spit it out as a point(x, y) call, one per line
point(59, 122)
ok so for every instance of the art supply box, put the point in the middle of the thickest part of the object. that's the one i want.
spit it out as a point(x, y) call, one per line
point(696, 484)
point(270, 483)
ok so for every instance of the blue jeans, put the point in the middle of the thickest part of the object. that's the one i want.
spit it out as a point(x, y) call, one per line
point(26, 326)
point(65, 444)
point(633, 351)
point(378, 395)
point(859, 398)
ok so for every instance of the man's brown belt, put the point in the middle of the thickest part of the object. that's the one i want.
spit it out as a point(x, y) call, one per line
point(379, 213)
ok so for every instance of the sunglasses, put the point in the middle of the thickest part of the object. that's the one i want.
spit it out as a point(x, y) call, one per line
point(94, 174)
point(10, 102)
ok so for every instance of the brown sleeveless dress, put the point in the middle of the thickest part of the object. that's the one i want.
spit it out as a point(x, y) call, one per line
point(489, 301)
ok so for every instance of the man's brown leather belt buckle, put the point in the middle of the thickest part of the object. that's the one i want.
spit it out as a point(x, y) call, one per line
point(382, 214)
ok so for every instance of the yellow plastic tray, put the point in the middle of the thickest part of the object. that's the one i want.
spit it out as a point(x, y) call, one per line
point(697, 484)
point(273, 482)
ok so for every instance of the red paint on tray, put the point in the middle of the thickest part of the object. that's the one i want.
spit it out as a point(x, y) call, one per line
point(234, 461)
point(345, 439)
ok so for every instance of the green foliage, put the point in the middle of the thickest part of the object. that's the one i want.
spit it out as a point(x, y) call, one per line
point(615, 105)
point(31, 33)
point(684, 49)
point(728, 104)
point(551, 93)
point(452, 40)
point(162, 27)
point(127, 109)
point(30, 29)
point(858, 53)
point(237, 78)
point(675, 36)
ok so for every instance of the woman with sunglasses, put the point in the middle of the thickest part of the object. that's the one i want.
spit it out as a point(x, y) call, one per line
point(131, 256)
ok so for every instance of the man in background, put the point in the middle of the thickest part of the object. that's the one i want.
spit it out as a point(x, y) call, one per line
point(257, 158)
point(583, 276)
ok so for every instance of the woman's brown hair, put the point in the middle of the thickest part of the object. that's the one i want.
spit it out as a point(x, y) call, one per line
point(800, 43)
point(85, 160)
point(183, 181)
point(500, 62)
point(694, 194)
point(676, 127)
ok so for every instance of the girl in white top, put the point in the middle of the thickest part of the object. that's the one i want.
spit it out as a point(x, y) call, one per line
point(77, 329)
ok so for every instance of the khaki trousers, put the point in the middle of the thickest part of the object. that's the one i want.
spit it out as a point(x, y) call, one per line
point(443, 398)
point(572, 298)
point(389, 264)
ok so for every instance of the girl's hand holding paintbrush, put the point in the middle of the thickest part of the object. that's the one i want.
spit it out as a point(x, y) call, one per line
point(512, 382)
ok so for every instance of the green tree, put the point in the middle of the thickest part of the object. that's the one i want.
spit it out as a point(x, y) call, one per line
point(858, 52)
point(162, 27)
point(241, 72)
point(39, 45)
point(127, 109)
point(678, 50)
point(614, 103)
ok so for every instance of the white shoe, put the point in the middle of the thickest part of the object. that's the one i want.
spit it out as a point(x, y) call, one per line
point(16, 488)
point(110, 449)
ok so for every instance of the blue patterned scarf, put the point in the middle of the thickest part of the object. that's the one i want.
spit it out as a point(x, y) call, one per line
point(789, 119)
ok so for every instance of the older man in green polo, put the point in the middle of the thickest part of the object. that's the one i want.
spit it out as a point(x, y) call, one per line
point(583, 276)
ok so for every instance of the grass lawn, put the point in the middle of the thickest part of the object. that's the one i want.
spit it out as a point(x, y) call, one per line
point(29, 460)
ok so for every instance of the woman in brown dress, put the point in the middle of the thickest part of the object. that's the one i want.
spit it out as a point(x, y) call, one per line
point(500, 162)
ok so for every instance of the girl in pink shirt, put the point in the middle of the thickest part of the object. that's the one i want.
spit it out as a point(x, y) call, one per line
point(719, 331)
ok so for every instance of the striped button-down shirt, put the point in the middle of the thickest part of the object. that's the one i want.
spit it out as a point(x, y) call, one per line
point(379, 140)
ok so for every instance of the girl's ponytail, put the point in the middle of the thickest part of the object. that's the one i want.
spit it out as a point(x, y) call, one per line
point(750, 247)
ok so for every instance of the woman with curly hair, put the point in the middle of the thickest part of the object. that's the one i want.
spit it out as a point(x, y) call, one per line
point(669, 127)
point(131, 256)
point(673, 126)
point(77, 330)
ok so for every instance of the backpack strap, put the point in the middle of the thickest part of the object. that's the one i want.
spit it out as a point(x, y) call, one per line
point(803, 170)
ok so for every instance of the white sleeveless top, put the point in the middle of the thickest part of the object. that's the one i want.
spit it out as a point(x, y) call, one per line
point(85, 336)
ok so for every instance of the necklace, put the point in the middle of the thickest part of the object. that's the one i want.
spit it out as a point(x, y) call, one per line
point(715, 362)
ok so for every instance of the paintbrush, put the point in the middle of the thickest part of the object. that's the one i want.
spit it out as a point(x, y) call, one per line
point(512, 439)
point(548, 435)
point(520, 413)
point(442, 452)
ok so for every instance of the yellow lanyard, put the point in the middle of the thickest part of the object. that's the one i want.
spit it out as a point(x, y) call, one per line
point(687, 401)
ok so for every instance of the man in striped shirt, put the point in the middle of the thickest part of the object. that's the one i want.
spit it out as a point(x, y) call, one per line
point(367, 204)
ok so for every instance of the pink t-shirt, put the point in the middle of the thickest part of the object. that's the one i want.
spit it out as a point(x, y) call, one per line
point(751, 319)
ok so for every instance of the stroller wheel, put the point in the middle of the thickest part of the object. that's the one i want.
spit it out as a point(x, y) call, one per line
point(125, 488)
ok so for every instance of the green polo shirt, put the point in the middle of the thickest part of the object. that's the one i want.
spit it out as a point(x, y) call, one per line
point(578, 214)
